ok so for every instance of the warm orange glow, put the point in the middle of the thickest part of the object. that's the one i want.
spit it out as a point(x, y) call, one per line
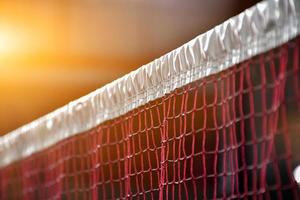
point(52, 52)
point(8, 41)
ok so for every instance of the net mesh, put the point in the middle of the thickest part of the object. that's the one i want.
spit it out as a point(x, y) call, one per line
point(224, 136)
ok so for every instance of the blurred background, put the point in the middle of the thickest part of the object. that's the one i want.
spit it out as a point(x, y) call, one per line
point(52, 52)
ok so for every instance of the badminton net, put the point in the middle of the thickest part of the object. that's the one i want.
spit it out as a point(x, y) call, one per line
point(228, 134)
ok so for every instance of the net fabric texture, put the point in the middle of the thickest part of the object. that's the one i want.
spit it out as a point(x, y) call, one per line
point(223, 136)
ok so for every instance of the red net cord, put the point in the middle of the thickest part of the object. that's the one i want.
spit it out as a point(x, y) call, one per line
point(229, 135)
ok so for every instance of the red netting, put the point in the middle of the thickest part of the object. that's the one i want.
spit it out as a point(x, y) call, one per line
point(224, 136)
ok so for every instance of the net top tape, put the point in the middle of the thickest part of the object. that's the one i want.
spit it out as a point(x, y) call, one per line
point(260, 28)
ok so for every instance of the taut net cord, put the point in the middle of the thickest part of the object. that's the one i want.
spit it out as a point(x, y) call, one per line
point(225, 135)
